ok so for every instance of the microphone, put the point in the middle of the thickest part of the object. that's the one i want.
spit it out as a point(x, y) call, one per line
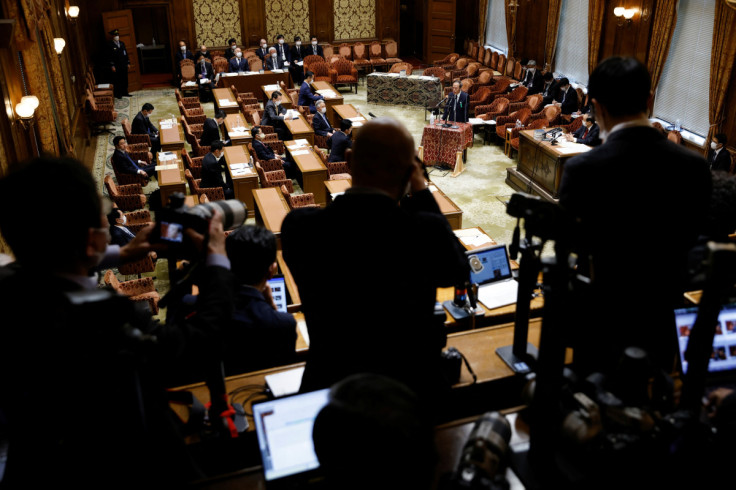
point(372, 115)
point(514, 247)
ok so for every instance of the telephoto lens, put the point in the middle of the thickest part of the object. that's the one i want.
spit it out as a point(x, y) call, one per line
point(233, 212)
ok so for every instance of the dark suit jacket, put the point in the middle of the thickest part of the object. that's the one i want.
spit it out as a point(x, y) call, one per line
point(298, 53)
point(338, 144)
point(551, 92)
point(534, 83)
point(210, 132)
point(321, 125)
point(273, 115)
point(310, 50)
point(306, 97)
point(662, 221)
point(117, 55)
point(569, 101)
point(208, 72)
point(180, 56)
point(462, 108)
point(124, 162)
point(285, 50)
point(264, 152)
point(262, 53)
point(119, 237)
point(212, 172)
point(229, 53)
point(238, 64)
point(722, 160)
point(207, 55)
point(388, 243)
point(590, 139)
point(274, 64)
point(142, 125)
point(258, 337)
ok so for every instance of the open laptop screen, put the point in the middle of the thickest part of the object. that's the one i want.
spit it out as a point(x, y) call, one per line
point(723, 357)
point(489, 264)
point(284, 430)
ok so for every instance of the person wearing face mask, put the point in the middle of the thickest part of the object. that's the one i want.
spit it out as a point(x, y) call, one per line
point(340, 141)
point(306, 96)
point(205, 78)
point(78, 342)
point(211, 129)
point(265, 152)
point(238, 63)
point(315, 48)
point(122, 161)
point(298, 52)
point(273, 115)
point(203, 52)
point(183, 53)
point(282, 50)
point(117, 56)
point(533, 79)
point(320, 123)
point(273, 61)
point(719, 159)
point(567, 97)
point(119, 233)
point(262, 51)
point(587, 134)
point(214, 173)
point(142, 125)
point(230, 51)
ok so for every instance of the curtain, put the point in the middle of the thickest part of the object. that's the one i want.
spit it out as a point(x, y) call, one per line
point(56, 80)
point(482, 13)
point(722, 58)
point(553, 28)
point(663, 27)
point(596, 12)
point(510, 30)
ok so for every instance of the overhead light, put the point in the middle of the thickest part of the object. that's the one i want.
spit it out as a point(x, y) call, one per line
point(59, 44)
point(24, 110)
point(73, 12)
point(30, 100)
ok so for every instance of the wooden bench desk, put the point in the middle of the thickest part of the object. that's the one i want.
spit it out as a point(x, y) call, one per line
point(314, 172)
point(225, 101)
point(451, 211)
point(172, 180)
point(348, 111)
point(243, 182)
point(237, 120)
point(171, 138)
point(337, 187)
point(300, 129)
point(323, 88)
point(269, 89)
point(270, 209)
point(296, 301)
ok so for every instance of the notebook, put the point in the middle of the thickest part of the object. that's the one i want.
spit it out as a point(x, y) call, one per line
point(284, 432)
point(722, 363)
point(490, 269)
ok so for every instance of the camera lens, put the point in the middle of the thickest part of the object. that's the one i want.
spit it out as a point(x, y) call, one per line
point(233, 212)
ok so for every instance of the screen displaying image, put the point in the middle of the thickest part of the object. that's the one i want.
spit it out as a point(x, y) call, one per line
point(278, 292)
point(172, 232)
point(489, 265)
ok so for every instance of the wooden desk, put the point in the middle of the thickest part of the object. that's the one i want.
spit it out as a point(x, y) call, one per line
point(236, 120)
point(451, 211)
point(270, 210)
point(337, 187)
point(223, 95)
point(300, 129)
point(314, 172)
point(296, 301)
point(172, 139)
point(540, 166)
point(347, 111)
point(330, 102)
point(253, 82)
point(269, 89)
point(173, 180)
point(243, 183)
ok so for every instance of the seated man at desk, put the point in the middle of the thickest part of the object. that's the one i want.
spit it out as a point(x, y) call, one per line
point(351, 329)
point(213, 170)
point(258, 337)
point(567, 97)
point(320, 123)
point(230, 52)
point(298, 52)
point(306, 97)
point(457, 105)
point(211, 129)
point(237, 62)
point(587, 134)
point(142, 125)
point(205, 78)
point(340, 141)
point(262, 51)
point(273, 61)
point(125, 164)
point(273, 115)
point(264, 152)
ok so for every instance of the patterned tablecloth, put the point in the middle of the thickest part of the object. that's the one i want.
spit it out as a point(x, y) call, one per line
point(397, 90)
point(441, 144)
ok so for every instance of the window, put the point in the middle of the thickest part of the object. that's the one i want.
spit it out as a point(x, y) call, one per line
point(571, 55)
point(683, 89)
point(496, 26)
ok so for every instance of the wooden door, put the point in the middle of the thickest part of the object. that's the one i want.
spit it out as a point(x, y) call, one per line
point(440, 39)
point(122, 20)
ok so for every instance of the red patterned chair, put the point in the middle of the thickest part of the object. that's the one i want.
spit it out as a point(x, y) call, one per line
point(505, 122)
point(375, 52)
point(481, 97)
point(146, 264)
point(344, 73)
point(220, 64)
point(533, 102)
point(194, 165)
point(294, 201)
point(136, 289)
point(275, 178)
point(133, 139)
point(137, 220)
point(100, 116)
point(194, 115)
point(518, 71)
point(499, 107)
point(402, 65)
point(458, 71)
point(509, 71)
point(392, 52)
point(514, 137)
point(516, 95)
point(447, 62)
point(550, 113)
point(336, 170)
point(322, 72)
point(127, 197)
point(572, 127)
point(312, 58)
point(188, 102)
point(124, 178)
point(501, 66)
point(436, 71)
point(361, 60)
point(345, 51)
point(188, 75)
point(213, 193)
point(485, 79)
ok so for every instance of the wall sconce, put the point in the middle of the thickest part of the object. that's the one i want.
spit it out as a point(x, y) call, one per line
point(72, 12)
point(59, 44)
point(25, 109)
point(624, 15)
point(513, 5)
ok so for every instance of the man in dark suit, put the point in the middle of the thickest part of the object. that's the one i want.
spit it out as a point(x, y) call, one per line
point(298, 52)
point(306, 96)
point(142, 125)
point(211, 129)
point(587, 134)
point(315, 48)
point(238, 63)
point(282, 51)
point(340, 141)
point(533, 79)
point(457, 105)
point(230, 52)
point(119, 233)
point(273, 115)
point(549, 88)
point(265, 152)
point(663, 221)
point(258, 337)
point(262, 51)
point(384, 241)
point(205, 78)
point(718, 157)
point(567, 97)
point(203, 51)
point(117, 57)
point(273, 61)
point(213, 169)
point(320, 123)
point(183, 53)
point(122, 161)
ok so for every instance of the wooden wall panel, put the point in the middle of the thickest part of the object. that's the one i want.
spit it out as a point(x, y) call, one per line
point(254, 27)
point(322, 20)
point(387, 12)
point(531, 30)
point(629, 39)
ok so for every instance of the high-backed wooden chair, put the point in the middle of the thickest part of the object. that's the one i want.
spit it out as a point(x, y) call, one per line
point(255, 64)
point(322, 72)
point(505, 122)
point(375, 53)
point(134, 138)
point(127, 197)
point(220, 64)
point(213, 193)
point(344, 73)
point(100, 116)
point(124, 178)
point(305, 200)
point(188, 78)
point(397, 67)
point(392, 52)
point(499, 107)
point(136, 289)
point(550, 113)
point(312, 58)
point(514, 136)
point(275, 178)
point(345, 51)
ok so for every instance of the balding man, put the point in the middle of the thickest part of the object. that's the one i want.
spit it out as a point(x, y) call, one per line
point(273, 60)
point(377, 314)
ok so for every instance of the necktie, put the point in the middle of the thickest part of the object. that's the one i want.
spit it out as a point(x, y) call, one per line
point(454, 110)
point(585, 133)
point(314, 48)
point(297, 51)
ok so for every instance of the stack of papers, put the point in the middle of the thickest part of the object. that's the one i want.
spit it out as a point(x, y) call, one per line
point(473, 237)
point(356, 119)
point(299, 144)
point(238, 166)
point(300, 63)
point(271, 88)
point(225, 102)
point(238, 134)
point(475, 121)
point(242, 171)
point(167, 124)
point(393, 74)
point(278, 70)
point(190, 84)
point(103, 85)
point(166, 157)
point(299, 152)
point(224, 74)
point(204, 80)
point(327, 93)
point(170, 166)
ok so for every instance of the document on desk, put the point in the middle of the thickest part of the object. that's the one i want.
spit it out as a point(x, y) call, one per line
point(238, 166)
point(327, 93)
point(570, 148)
point(286, 383)
point(224, 102)
point(242, 171)
point(271, 88)
point(171, 166)
point(475, 121)
point(277, 70)
point(477, 241)
point(299, 152)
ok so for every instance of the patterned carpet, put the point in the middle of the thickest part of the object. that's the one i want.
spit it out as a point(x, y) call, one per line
point(479, 191)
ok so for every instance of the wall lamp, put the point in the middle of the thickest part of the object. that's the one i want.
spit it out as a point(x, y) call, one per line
point(59, 44)
point(25, 110)
point(72, 12)
point(624, 15)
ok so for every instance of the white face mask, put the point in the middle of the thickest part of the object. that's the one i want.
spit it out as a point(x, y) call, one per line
point(233, 47)
point(116, 38)
point(281, 41)
point(238, 54)
point(274, 55)
point(264, 45)
point(298, 43)
point(314, 43)
point(323, 110)
point(713, 145)
point(124, 220)
point(183, 48)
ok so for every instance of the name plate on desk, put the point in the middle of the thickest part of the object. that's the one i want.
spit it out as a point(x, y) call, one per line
point(171, 166)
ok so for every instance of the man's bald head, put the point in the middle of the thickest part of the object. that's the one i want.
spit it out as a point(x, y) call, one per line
point(382, 156)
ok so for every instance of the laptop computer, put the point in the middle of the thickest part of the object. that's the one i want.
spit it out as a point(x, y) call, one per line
point(284, 432)
point(722, 363)
point(490, 269)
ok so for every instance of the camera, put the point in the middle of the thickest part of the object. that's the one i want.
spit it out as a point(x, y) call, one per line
point(177, 217)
